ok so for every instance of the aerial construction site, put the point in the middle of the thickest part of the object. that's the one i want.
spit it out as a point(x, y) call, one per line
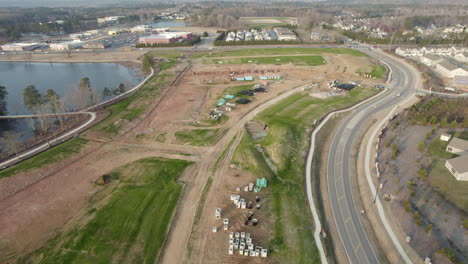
point(212, 146)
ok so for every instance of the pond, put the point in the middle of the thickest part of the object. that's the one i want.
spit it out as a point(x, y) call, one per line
point(63, 78)
point(167, 24)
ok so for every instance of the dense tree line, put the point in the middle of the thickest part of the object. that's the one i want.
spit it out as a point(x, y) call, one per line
point(147, 63)
point(441, 112)
point(186, 43)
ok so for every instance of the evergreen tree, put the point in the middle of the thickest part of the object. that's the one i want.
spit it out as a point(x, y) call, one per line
point(3, 93)
point(31, 97)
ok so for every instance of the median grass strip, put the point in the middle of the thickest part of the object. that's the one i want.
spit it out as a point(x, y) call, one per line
point(285, 51)
point(54, 154)
point(127, 221)
point(285, 146)
point(200, 137)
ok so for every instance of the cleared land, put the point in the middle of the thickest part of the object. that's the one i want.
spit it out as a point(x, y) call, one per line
point(130, 134)
point(127, 220)
point(122, 113)
point(296, 60)
point(282, 161)
point(200, 137)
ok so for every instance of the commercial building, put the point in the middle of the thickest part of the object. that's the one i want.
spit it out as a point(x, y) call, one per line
point(67, 45)
point(166, 38)
point(95, 45)
point(109, 20)
point(20, 46)
point(140, 29)
point(285, 33)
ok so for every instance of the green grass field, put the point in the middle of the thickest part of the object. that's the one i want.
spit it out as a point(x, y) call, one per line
point(284, 51)
point(130, 109)
point(292, 238)
point(127, 221)
point(441, 178)
point(297, 60)
point(54, 154)
point(378, 71)
point(200, 137)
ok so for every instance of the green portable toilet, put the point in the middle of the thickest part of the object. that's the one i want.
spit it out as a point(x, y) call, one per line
point(262, 183)
point(221, 102)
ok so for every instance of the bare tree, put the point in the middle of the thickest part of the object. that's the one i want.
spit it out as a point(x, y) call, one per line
point(10, 142)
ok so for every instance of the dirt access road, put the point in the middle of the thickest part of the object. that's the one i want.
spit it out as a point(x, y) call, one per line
point(26, 222)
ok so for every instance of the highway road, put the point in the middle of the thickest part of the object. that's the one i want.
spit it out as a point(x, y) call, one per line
point(347, 215)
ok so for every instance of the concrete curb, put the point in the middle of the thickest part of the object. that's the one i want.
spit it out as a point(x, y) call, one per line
point(313, 208)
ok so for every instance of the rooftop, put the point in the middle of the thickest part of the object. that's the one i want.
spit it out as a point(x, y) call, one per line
point(165, 35)
point(460, 164)
point(20, 44)
point(432, 57)
point(459, 144)
point(448, 65)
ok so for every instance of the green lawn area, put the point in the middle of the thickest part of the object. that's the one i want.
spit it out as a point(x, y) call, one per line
point(291, 240)
point(437, 148)
point(127, 221)
point(131, 108)
point(200, 137)
point(442, 179)
point(169, 54)
point(297, 60)
point(54, 154)
point(453, 190)
point(378, 71)
point(285, 51)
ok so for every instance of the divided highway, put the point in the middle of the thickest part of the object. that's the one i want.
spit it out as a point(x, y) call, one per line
point(345, 212)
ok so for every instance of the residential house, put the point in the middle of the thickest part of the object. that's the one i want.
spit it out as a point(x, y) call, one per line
point(461, 57)
point(458, 146)
point(430, 60)
point(450, 70)
point(458, 167)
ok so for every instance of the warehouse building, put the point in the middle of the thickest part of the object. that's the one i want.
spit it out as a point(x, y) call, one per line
point(67, 45)
point(166, 38)
point(20, 46)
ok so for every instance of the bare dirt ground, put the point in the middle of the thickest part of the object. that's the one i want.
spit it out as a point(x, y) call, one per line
point(26, 222)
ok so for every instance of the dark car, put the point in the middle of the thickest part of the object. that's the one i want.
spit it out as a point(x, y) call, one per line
point(243, 101)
